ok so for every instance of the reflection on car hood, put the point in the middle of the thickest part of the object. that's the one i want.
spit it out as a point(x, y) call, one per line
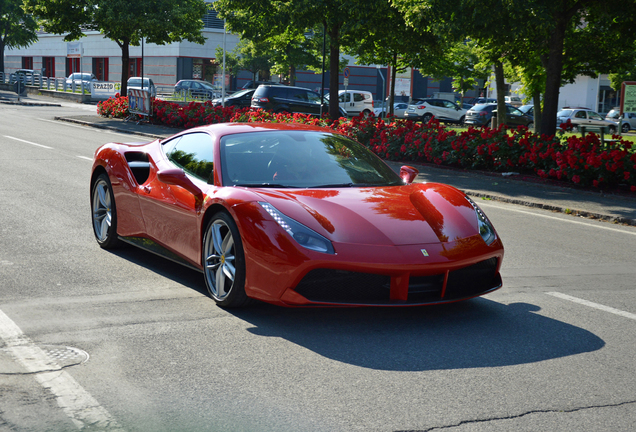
point(392, 215)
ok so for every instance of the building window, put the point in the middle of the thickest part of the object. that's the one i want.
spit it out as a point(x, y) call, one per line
point(72, 66)
point(211, 20)
point(100, 68)
point(48, 67)
point(135, 67)
point(27, 62)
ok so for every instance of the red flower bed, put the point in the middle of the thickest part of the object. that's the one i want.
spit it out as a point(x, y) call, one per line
point(583, 161)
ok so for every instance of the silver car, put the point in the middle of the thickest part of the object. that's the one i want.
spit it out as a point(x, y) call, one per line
point(629, 119)
point(584, 117)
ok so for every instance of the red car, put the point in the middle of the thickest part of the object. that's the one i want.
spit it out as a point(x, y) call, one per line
point(293, 215)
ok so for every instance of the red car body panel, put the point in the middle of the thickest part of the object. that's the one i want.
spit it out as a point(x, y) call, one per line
point(419, 229)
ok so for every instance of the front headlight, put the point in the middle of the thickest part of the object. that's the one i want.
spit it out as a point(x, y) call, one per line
point(304, 236)
point(486, 230)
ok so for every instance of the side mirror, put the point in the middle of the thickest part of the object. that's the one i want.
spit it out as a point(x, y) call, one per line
point(177, 177)
point(408, 174)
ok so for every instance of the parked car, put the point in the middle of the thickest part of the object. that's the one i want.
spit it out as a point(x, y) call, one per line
point(527, 109)
point(78, 77)
point(515, 101)
point(584, 117)
point(441, 109)
point(197, 88)
point(148, 84)
point(399, 110)
point(355, 102)
point(242, 98)
point(28, 76)
point(629, 119)
point(254, 84)
point(481, 115)
point(281, 98)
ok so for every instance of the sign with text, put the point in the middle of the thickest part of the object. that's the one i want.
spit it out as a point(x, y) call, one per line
point(101, 90)
point(628, 96)
point(139, 102)
point(74, 50)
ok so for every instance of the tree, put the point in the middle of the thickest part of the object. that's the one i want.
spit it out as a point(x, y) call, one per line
point(123, 21)
point(263, 19)
point(17, 28)
point(570, 37)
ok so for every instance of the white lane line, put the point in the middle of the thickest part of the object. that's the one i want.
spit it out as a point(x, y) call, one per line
point(593, 305)
point(572, 220)
point(87, 158)
point(28, 142)
point(77, 403)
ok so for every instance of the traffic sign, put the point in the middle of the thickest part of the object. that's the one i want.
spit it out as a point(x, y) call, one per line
point(346, 72)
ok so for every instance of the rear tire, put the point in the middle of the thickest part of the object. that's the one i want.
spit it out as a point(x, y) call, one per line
point(104, 213)
point(427, 117)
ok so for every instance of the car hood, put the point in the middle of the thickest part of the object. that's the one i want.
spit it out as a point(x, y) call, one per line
point(397, 215)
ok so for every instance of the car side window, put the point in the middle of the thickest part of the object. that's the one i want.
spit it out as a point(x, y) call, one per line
point(194, 153)
point(313, 97)
point(580, 114)
point(298, 95)
point(594, 116)
point(449, 104)
point(357, 97)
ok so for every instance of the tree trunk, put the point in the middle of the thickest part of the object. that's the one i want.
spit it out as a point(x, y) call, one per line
point(1, 55)
point(500, 84)
point(536, 101)
point(334, 72)
point(292, 75)
point(553, 70)
point(125, 65)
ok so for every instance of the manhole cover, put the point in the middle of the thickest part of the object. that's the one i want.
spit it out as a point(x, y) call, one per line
point(56, 356)
point(65, 356)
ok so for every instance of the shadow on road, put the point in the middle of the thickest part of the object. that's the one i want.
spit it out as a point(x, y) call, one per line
point(472, 334)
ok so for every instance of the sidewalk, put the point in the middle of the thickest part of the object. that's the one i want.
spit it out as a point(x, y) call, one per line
point(517, 189)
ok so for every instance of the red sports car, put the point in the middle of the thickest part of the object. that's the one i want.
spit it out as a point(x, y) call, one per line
point(293, 215)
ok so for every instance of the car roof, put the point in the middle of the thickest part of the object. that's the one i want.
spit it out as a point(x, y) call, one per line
point(221, 129)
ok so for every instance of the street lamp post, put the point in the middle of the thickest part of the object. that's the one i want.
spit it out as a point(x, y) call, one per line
point(383, 90)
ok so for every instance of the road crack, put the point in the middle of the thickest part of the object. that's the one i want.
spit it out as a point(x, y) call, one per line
point(511, 417)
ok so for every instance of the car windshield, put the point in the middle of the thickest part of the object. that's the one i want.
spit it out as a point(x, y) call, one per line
point(614, 114)
point(301, 159)
point(240, 93)
point(564, 113)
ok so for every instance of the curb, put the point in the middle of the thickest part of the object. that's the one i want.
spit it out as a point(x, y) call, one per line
point(116, 129)
point(477, 194)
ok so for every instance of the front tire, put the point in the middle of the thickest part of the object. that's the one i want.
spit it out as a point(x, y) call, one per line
point(104, 213)
point(224, 262)
point(625, 128)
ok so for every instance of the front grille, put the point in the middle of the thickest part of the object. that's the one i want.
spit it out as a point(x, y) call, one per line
point(472, 280)
point(347, 287)
point(341, 286)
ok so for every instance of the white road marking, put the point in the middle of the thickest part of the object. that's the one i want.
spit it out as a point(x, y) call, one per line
point(77, 403)
point(87, 158)
point(593, 305)
point(572, 220)
point(28, 142)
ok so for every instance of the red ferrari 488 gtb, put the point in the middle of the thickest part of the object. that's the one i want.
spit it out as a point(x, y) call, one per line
point(293, 215)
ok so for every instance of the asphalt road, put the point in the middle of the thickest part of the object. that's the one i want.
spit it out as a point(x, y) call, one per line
point(144, 349)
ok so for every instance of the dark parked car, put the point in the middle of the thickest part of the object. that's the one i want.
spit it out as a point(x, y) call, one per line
point(197, 88)
point(481, 114)
point(280, 98)
point(148, 84)
point(242, 98)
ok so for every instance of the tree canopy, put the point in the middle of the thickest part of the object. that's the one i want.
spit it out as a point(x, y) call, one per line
point(17, 28)
point(123, 21)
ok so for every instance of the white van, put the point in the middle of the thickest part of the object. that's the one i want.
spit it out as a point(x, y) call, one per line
point(355, 102)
